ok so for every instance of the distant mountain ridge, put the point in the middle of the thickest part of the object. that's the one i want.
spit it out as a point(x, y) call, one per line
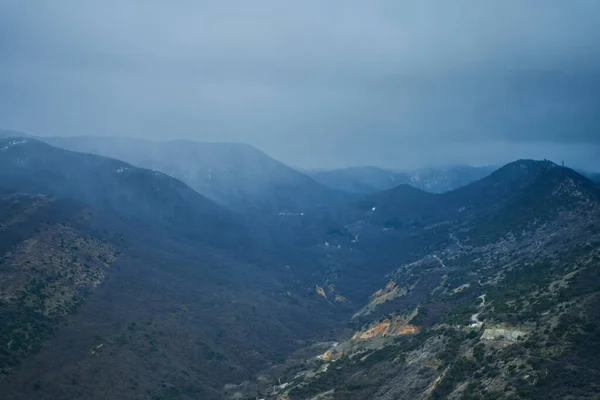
point(244, 178)
point(405, 204)
point(369, 179)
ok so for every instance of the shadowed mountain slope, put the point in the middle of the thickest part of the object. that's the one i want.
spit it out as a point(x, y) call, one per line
point(106, 266)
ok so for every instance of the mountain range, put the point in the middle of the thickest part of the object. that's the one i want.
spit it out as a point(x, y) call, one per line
point(185, 270)
point(496, 300)
point(369, 180)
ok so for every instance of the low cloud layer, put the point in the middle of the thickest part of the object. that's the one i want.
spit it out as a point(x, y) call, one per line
point(313, 83)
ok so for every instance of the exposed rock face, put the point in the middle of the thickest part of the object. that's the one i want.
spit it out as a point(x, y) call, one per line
point(331, 355)
point(321, 292)
point(388, 293)
point(387, 328)
point(503, 333)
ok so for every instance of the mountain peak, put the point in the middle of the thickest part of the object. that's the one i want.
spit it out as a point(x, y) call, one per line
point(520, 168)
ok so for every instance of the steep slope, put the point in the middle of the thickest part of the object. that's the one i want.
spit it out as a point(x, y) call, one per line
point(114, 187)
point(237, 175)
point(406, 222)
point(504, 307)
point(112, 268)
point(369, 180)
point(48, 267)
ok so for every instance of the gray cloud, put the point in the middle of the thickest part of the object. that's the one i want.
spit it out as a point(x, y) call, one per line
point(313, 83)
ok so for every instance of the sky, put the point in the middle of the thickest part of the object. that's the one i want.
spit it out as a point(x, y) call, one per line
point(314, 83)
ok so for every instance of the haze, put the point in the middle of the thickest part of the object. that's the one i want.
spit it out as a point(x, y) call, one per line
point(315, 84)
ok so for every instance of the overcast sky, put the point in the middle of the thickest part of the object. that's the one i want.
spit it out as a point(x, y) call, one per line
point(314, 83)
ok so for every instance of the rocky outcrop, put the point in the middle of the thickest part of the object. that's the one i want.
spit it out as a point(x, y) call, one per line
point(503, 333)
point(388, 293)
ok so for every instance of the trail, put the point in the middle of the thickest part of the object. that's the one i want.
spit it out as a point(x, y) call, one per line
point(460, 246)
point(475, 317)
point(440, 260)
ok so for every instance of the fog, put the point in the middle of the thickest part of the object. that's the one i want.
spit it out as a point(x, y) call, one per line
point(315, 84)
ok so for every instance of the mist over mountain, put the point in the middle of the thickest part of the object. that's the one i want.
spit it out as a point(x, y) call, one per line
point(157, 262)
point(236, 175)
point(6, 134)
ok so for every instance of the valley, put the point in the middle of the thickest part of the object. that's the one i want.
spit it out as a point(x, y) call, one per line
point(506, 318)
point(111, 272)
point(309, 200)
